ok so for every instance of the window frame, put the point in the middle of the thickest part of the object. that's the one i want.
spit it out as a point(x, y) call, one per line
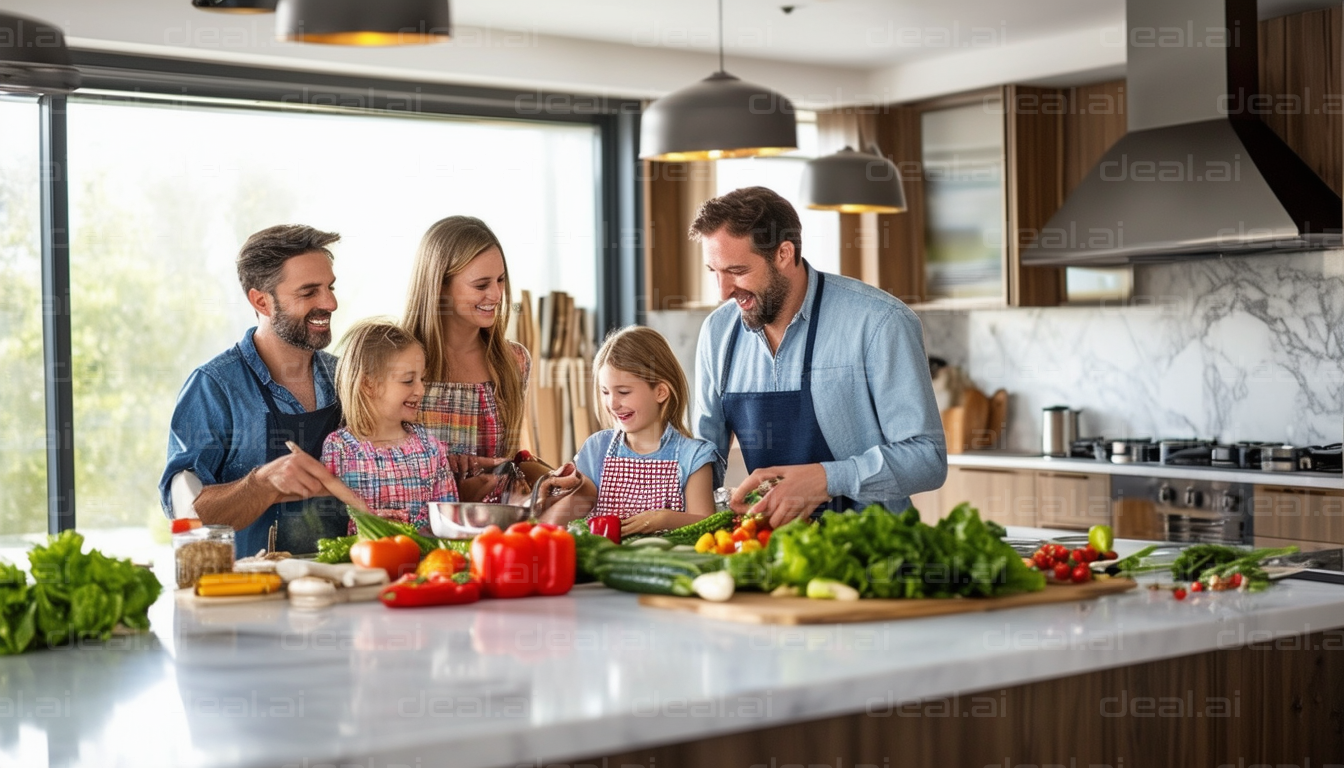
point(122, 76)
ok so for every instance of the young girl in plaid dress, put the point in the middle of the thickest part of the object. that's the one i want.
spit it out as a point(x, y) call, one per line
point(648, 470)
point(392, 462)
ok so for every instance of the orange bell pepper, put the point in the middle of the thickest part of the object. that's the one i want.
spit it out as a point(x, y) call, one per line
point(444, 561)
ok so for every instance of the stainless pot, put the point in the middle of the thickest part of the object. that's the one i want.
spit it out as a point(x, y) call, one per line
point(464, 520)
point(1059, 428)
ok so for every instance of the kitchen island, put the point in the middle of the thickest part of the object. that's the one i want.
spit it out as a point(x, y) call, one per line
point(1123, 680)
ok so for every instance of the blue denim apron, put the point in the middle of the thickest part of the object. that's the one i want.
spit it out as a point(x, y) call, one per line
point(303, 522)
point(776, 429)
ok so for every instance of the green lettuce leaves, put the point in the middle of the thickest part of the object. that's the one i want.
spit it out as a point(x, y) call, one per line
point(895, 555)
point(78, 595)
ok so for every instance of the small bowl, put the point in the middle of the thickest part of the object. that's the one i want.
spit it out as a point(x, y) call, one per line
point(463, 520)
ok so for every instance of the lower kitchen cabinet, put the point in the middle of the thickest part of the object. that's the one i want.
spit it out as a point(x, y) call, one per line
point(1298, 515)
point(1006, 496)
point(1075, 500)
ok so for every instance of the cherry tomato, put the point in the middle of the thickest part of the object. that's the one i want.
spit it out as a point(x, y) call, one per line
point(1042, 560)
point(1198, 586)
point(1081, 573)
point(1061, 571)
point(1090, 555)
point(1178, 593)
point(763, 536)
point(1235, 580)
point(1077, 557)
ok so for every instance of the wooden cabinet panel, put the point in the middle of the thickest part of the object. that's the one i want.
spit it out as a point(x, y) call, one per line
point(1006, 496)
point(1299, 514)
point(1072, 500)
point(1300, 71)
point(1138, 519)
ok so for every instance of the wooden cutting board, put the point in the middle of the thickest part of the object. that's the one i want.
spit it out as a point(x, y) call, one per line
point(755, 608)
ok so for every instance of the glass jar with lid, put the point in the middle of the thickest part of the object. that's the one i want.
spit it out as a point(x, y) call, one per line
point(200, 549)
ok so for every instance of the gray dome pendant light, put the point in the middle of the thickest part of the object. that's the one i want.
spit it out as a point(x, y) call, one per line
point(853, 182)
point(363, 22)
point(718, 117)
point(33, 57)
point(236, 6)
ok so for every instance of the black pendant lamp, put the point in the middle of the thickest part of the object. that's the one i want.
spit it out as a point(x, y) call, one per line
point(33, 57)
point(853, 182)
point(718, 117)
point(236, 6)
point(363, 22)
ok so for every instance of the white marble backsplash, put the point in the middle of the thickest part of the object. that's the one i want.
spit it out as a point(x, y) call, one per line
point(1248, 348)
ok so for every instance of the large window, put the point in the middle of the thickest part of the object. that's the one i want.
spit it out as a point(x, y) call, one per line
point(784, 174)
point(163, 195)
point(23, 443)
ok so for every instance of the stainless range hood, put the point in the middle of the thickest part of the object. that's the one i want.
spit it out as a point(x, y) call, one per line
point(1198, 174)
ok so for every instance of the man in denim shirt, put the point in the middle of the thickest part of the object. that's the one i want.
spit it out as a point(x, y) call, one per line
point(228, 456)
point(822, 379)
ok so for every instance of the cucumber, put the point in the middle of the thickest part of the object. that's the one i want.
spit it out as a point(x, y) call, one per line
point(625, 555)
point(649, 583)
point(654, 542)
point(689, 534)
point(664, 569)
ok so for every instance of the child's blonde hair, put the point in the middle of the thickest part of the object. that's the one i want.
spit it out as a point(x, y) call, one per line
point(366, 350)
point(644, 353)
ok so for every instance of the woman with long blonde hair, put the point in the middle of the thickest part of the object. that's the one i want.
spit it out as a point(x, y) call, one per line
point(458, 307)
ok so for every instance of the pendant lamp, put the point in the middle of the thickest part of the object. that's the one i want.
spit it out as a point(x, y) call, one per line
point(236, 6)
point(33, 57)
point(718, 117)
point(853, 182)
point(363, 22)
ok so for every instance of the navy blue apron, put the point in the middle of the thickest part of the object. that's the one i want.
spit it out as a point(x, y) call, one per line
point(776, 429)
point(300, 523)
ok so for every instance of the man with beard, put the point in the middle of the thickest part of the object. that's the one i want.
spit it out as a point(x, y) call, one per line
point(822, 379)
point(228, 460)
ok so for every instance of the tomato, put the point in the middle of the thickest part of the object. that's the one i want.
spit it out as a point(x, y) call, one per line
point(749, 526)
point(1042, 560)
point(1178, 593)
point(1235, 580)
point(393, 556)
point(444, 561)
point(1078, 557)
point(740, 535)
point(1061, 571)
point(1081, 573)
point(1090, 555)
point(1198, 586)
point(763, 537)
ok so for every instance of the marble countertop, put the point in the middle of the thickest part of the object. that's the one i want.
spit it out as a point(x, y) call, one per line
point(543, 680)
point(1006, 460)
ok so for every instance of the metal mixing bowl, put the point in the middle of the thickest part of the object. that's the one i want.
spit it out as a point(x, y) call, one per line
point(463, 520)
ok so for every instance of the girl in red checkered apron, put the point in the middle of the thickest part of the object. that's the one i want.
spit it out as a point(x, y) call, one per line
point(648, 469)
point(393, 463)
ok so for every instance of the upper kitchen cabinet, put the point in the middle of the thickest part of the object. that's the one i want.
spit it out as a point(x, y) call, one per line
point(1300, 75)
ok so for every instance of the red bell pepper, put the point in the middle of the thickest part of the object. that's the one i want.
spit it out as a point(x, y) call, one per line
point(555, 559)
point(606, 525)
point(503, 561)
point(411, 591)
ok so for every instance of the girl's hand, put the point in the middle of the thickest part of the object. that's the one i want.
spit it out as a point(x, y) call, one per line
point(656, 520)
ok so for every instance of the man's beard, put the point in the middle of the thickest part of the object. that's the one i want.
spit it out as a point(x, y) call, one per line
point(767, 304)
point(295, 331)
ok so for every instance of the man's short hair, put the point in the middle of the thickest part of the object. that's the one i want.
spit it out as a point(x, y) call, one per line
point(264, 254)
point(756, 211)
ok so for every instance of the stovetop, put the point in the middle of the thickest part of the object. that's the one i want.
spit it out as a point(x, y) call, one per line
point(1195, 452)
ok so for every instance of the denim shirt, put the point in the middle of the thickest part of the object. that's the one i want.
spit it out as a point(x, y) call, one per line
point(871, 389)
point(218, 429)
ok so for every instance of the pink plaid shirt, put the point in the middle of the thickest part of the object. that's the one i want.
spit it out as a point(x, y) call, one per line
point(402, 477)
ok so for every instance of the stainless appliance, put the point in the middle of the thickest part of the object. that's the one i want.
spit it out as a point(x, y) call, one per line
point(1198, 173)
point(1059, 430)
point(1211, 511)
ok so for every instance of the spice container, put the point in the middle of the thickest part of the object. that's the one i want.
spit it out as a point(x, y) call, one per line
point(201, 549)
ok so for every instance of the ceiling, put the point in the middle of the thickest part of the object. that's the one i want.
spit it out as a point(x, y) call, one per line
point(853, 33)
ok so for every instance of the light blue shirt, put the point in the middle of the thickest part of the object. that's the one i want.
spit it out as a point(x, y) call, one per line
point(871, 389)
point(689, 453)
